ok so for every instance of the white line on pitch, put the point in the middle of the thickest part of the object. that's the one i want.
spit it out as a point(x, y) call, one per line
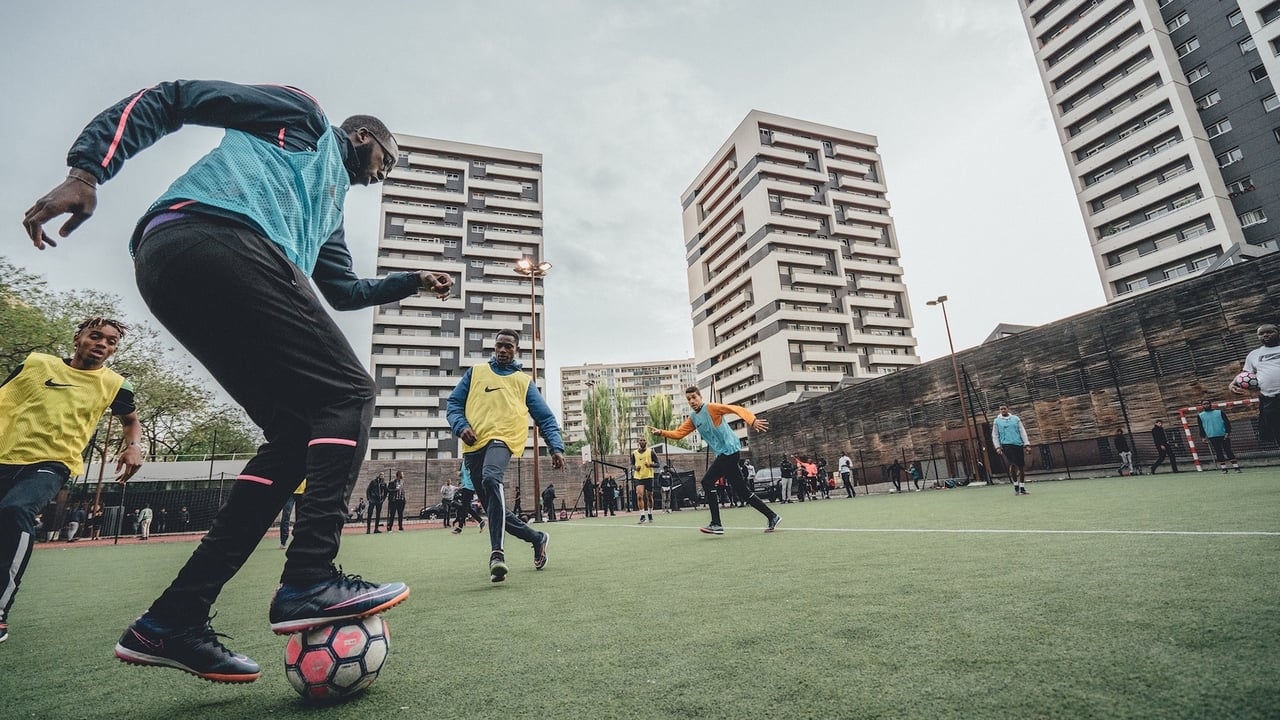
point(972, 531)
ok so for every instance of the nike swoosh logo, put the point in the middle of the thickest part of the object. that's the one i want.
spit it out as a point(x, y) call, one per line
point(148, 642)
point(489, 389)
point(51, 383)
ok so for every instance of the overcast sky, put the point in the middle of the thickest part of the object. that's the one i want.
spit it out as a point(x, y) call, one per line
point(626, 101)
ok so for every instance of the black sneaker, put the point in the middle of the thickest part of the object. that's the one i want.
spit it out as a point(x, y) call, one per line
point(540, 552)
point(773, 522)
point(4, 632)
point(297, 607)
point(194, 649)
point(457, 530)
point(712, 530)
point(497, 567)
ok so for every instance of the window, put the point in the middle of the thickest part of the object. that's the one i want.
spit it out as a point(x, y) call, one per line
point(1269, 13)
point(1270, 103)
point(1240, 187)
point(1176, 271)
point(1208, 100)
point(1177, 22)
point(1188, 47)
point(1235, 18)
point(1253, 217)
point(1103, 175)
point(1219, 127)
point(1138, 284)
point(477, 163)
point(1230, 157)
point(451, 211)
point(1247, 46)
point(477, 263)
point(1195, 231)
point(1198, 72)
point(1259, 73)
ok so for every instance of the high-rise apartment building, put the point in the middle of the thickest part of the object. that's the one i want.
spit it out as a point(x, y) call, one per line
point(472, 211)
point(793, 269)
point(1167, 114)
point(639, 381)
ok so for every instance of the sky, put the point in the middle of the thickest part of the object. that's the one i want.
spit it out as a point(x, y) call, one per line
point(626, 102)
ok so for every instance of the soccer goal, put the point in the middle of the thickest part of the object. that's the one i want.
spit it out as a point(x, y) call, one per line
point(1242, 414)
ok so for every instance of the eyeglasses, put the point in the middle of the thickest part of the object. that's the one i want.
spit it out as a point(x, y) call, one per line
point(388, 158)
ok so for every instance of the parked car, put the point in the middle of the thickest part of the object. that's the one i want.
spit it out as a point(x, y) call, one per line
point(768, 483)
point(433, 512)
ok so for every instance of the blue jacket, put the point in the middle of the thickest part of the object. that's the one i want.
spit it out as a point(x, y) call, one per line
point(546, 421)
point(281, 115)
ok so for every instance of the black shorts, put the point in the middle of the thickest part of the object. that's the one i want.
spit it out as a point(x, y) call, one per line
point(1014, 455)
point(646, 484)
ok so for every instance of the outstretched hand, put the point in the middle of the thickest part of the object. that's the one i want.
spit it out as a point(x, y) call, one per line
point(76, 196)
point(438, 283)
point(557, 460)
point(760, 425)
point(128, 463)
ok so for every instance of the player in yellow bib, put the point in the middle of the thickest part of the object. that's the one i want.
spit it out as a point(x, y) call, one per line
point(48, 410)
point(488, 411)
point(642, 463)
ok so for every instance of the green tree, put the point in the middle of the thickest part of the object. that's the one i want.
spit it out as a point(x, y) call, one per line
point(597, 410)
point(662, 415)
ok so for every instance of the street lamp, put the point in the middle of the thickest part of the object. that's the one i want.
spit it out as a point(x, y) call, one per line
point(964, 410)
point(534, 270)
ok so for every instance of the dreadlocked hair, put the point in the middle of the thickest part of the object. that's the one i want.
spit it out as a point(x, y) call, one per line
point(97, 322)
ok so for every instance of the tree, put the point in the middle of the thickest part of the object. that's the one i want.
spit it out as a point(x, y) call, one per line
point(662, 415)
point(597, 413)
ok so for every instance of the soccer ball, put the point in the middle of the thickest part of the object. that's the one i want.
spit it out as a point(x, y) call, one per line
point(335, 662)
point(1246, 381)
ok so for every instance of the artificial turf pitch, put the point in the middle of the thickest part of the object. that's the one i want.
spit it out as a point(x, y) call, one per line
point(1146, 597)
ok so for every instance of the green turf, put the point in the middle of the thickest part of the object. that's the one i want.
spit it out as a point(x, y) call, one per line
point(854, 609)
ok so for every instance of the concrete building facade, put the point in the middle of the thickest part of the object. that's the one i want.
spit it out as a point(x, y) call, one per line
point(472, 211)
point(793, 272)
point(639, 380)
point(1167, 115)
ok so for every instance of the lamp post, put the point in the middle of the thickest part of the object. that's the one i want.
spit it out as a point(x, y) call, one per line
point(964, 411)
point(534, 270)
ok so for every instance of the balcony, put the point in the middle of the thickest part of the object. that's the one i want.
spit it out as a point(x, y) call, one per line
point(888, 359)
point(488, 183)
point(421, 228)
point(806, 207)
point(808, 278)
point(849, 152)
point(884, 286)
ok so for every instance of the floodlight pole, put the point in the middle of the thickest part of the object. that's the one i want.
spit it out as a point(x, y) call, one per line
point(964, 410)
point(534, 270)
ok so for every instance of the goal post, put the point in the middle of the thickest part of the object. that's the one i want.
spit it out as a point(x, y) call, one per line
point(1235, 411)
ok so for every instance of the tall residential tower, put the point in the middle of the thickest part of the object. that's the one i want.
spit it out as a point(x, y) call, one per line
point(472, 211)
point(1166, 110)
point(793, 266)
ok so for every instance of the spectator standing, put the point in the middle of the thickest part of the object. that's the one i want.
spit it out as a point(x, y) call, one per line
point(895, 475)
point(1215, 427)
point(1010, 438)
point(376, 494)
point(589, 496)
point(144, 521)
point(549, 501)
point(1126, 455)
point(609, 495)
point(184, 517)
point(1161, 441)
point(1264, 362)
point(708, 420)
point(845, 466)
point(788, 473)
point(449, 491)
point(913, 472)
point(162, 521)
point(396, 501)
